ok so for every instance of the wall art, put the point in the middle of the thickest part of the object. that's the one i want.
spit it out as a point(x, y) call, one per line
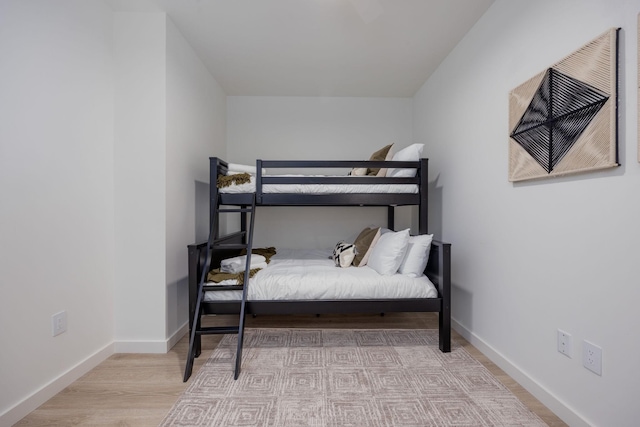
point(564, 119)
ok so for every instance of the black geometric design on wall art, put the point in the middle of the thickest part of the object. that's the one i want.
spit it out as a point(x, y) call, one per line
point(560, 110)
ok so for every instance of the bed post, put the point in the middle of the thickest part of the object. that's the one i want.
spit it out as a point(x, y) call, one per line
point(444, 317)
point(423, 214)
point(213, 190)
point(258, 181)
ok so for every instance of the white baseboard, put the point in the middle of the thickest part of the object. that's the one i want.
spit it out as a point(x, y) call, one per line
point(151, 347)
point(158, 346)
point(177, 335)
point(22, 409)
point(54, 387)
point(542, 394)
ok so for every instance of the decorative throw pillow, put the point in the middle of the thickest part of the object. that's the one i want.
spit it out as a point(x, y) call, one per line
point(385, 153)
point(343, 254)
point(387, 255)
point(417, 256)
point(412, 153)
point(358, 172)
point(364, 242)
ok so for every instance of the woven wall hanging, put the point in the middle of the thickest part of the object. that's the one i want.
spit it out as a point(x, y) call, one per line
point(564, 120)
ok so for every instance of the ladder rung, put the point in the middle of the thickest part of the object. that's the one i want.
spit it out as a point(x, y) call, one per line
point(230, 236)
point(236, 210)
point(222, 287)
point(218, 243)
point(229, 245)
point(237, 235)
point(218, 330)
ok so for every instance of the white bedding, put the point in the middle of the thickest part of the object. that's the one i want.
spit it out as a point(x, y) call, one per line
point(250, 187)
point(311, 275)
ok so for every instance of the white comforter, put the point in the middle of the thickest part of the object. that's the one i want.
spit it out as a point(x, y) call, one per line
point(250, 187)
point(311, 275)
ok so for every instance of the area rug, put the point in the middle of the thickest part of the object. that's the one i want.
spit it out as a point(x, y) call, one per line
point(333, 377)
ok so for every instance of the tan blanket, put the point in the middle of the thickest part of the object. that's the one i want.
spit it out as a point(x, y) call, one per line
point(217, 276)
point(236, 179)
point(265, 252)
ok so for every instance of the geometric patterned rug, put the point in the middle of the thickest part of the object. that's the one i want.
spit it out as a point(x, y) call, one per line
point(334, 377)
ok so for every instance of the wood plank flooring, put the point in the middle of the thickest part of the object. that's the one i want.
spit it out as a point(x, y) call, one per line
point(139, 389)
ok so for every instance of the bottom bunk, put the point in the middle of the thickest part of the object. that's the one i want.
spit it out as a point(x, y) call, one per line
point(429, 293)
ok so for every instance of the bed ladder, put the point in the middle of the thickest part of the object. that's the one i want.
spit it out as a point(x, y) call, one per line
point(216, 242)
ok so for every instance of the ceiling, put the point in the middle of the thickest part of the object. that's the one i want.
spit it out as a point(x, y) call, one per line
point(378, 48)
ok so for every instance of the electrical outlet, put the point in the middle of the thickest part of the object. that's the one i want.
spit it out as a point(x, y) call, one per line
point(59, 323)
point(565, 343)
point(592, 357)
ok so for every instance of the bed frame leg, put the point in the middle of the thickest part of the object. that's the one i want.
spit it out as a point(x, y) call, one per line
point(444, 326)
point(444, 318)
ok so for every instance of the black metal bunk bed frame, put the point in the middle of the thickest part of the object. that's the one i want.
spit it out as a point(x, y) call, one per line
point(203, 256)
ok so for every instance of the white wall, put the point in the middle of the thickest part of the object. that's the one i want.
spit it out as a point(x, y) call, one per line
point(140, 175)
point(533, 257)
point(56, 186)
point(196, 130)
point(108, 121)
point(299, 128)
point(170, 117)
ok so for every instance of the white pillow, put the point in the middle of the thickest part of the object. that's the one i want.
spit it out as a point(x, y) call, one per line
point(417, 255)
point(388, 253)
point(412, 153)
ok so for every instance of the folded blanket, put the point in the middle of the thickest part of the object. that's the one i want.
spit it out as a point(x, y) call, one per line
point(234, 168)
point(259, 259)
point(238, 268)
point(232, 269)
point(231, 264)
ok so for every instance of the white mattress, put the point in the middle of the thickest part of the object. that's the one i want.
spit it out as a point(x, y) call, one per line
point(311, 275)
point(250, 187)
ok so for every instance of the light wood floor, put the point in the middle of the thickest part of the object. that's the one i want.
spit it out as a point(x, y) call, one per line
point(139, 389)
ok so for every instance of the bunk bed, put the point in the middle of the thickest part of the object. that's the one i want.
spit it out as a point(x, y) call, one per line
point(308, 190)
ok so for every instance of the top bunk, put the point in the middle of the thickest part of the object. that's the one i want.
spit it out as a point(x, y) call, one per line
point(321, 182)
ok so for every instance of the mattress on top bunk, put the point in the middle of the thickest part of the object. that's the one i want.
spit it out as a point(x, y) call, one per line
point(250, 187)
point(310, 275)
